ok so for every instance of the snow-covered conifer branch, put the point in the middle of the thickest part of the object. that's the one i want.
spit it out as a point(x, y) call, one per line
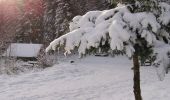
point(119, 24)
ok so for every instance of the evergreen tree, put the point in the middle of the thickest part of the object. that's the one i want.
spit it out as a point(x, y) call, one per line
point(56, 18)
point(129, 27)
point(58, 14)
point(30, 27)
point(8, 23)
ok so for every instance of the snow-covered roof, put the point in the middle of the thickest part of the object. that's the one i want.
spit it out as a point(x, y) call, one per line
point(23, 50)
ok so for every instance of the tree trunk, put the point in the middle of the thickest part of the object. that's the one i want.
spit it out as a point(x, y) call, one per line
point(136, 79)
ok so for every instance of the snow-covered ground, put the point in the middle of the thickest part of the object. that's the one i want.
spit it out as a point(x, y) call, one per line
point(91, 78)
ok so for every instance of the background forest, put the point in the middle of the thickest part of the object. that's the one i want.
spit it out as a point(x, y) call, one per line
point(40, 21)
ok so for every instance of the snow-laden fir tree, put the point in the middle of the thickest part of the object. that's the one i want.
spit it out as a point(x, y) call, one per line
point(146, 51)
point(126, 27)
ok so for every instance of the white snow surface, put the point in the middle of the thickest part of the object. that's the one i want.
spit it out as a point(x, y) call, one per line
point(90, 78)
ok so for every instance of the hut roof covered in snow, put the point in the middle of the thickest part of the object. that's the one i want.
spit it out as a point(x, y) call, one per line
point(23, 50)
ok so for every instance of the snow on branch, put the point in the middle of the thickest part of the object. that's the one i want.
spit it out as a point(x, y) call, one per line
point(165, 15)
point(162, 61)
point(118, 26)
point(122, 30)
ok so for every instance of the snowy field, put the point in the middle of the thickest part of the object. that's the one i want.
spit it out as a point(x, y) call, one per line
point(91, 78)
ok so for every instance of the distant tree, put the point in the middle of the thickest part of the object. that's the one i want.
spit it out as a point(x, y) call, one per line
point(8, 23)
point(30, 26)
point(127, 27)
point(58, 14)
point(56, 17)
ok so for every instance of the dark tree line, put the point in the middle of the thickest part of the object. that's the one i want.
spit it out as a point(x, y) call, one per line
point(58, 14)
point(40, 21)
